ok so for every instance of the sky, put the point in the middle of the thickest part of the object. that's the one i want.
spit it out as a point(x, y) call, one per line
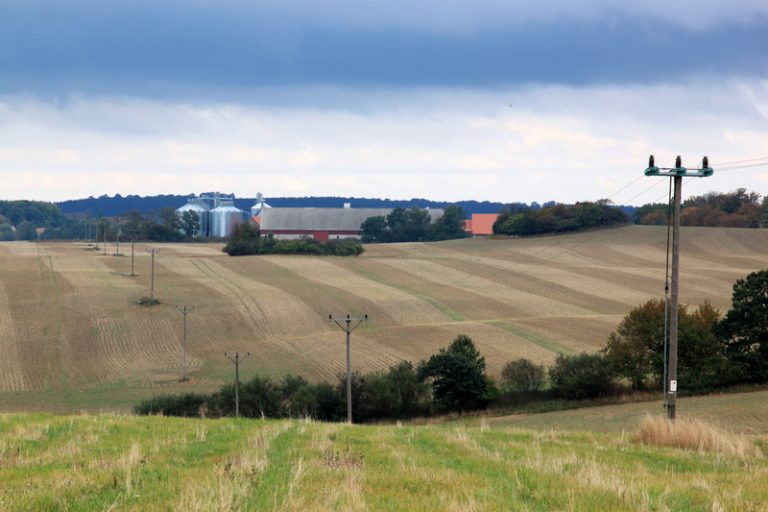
point(442, 99)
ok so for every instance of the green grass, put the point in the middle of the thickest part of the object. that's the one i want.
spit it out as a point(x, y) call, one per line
point(532, 337)
point(152, 463)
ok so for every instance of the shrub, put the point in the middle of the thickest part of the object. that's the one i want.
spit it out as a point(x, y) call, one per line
point(523, 376)
point(188, 405)
point(581, 376)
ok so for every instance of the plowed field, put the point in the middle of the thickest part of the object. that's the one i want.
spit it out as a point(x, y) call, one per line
point(72, 338)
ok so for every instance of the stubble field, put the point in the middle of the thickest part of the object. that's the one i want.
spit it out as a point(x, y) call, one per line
point(71, 338)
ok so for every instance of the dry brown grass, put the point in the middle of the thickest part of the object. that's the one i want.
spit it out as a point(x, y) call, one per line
point(694, 434)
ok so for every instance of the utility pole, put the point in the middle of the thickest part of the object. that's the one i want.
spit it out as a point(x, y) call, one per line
point(117, 238)
point(346, 325)
point(152, 251)
point(236, 358)
point(133, 240)
point(105, 239)
point(184, 310)
point(675, 173)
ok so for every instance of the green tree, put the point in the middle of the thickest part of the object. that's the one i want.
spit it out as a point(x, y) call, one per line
point(450, 225)
point(636, 348)
point(417, 225)
point(457, 375)
point(581, 376)
point(764, 213)
point(745, 328)
point(374, 229)
point(6, 233)
point(26, 231)
point(523, 376)
point(190, 223)
point(246, 239)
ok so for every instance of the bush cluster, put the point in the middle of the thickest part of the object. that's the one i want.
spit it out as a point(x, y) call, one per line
point(414, 225)
point(395, 394)
point(246, 240)
point(557, 218)
point(737, 209)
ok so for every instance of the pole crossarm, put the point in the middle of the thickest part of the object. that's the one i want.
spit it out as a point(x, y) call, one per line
point(705, 171)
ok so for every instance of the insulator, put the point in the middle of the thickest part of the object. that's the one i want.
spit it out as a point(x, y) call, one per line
point(705, 162)
point(651, 161)
point(678, 161)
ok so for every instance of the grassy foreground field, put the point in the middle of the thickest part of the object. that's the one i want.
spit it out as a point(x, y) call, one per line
point(150, 463)
point(71, 338)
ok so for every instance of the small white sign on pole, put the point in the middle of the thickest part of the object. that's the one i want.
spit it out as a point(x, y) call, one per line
point(673, 386)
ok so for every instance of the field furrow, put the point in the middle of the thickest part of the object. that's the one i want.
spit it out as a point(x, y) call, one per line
point(400, 305)
point(527, 301)
point(11, 376)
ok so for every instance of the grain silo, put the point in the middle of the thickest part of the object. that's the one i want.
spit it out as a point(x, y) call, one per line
point(225, 217)
point(199, 207)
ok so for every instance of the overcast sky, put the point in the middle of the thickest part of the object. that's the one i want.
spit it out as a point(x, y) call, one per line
point(443, 99)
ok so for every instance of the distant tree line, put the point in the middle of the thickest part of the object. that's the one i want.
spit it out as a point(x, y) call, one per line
point(247, 240)
point(112, 206)
point(414, 225)
point(521, 220)
point(716, 351)
point(454, 379)
point(19, 220)
point(738, 209)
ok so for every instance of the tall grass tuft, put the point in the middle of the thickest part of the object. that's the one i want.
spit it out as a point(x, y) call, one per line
point(694, 434)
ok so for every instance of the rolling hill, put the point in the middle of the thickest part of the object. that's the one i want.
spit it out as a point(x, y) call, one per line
point(71, 337)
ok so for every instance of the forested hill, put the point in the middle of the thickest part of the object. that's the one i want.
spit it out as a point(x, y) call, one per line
point(117, 205)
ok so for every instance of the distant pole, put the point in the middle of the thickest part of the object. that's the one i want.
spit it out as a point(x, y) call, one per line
point(677, 172)
point(236, 358)
point(105, 239)
point(117, 238)
point(345, 323)
point(152, 251)
point(184, 310)
point(133, 240)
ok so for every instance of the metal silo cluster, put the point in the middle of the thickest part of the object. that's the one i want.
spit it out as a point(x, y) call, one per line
point(217, 214)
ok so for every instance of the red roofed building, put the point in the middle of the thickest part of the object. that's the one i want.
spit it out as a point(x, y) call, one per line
point(481, 224)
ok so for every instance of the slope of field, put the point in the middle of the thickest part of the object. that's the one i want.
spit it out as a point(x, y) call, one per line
point(745, 413)
point(71, 337)
point(152, 463)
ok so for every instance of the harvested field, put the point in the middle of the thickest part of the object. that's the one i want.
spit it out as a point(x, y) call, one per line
point(70, 330)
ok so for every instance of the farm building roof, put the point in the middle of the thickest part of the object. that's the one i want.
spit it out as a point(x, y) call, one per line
point(482, 223)
point(323, 219)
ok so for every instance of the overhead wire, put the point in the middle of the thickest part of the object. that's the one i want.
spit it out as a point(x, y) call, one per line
point(725, 166)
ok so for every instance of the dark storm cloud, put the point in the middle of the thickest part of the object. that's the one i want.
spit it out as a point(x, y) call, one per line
point(156, 48)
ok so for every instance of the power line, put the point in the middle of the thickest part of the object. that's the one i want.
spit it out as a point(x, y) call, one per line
point(747, 166)
point(722, 164)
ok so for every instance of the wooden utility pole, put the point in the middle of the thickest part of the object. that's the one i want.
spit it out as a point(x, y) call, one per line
point(152, 251)
point(675, 300)
point(184, 310)
point(346, 325)
point(236, 358)
point(133, 240)
point(676, 173)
